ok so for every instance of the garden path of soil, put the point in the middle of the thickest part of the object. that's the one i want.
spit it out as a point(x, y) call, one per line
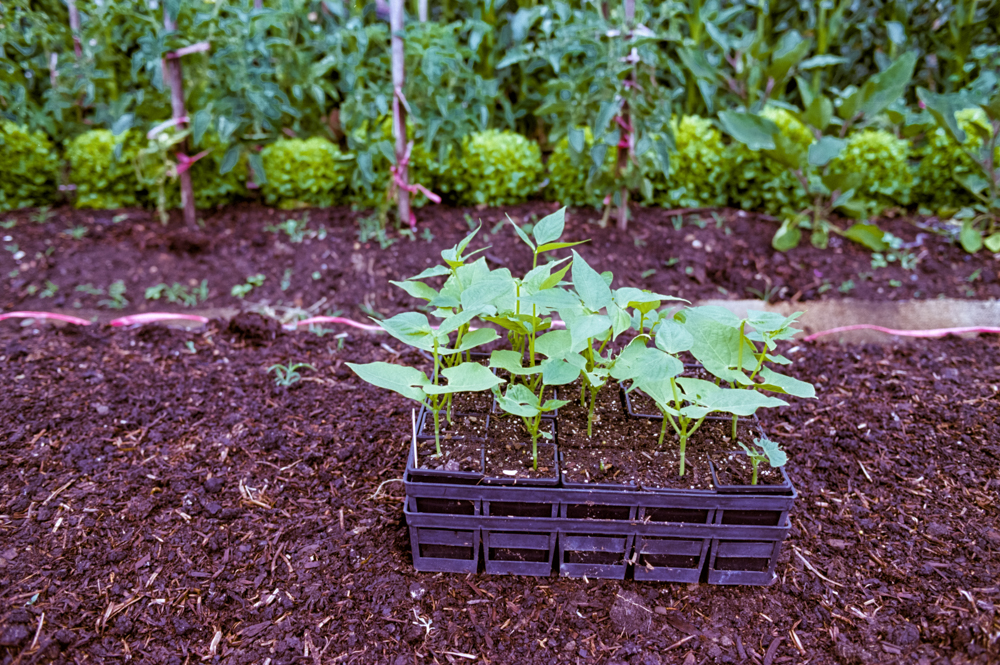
point(731, 257)
point(162, 501)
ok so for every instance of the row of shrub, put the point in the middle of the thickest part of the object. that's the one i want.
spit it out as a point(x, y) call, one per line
point(493, 168)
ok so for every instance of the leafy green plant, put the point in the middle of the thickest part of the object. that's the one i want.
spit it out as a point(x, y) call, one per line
point(700, 167)
point(981, 221)
point(522, 401)
point(765, 450)
point(811, 165)
point(29, 165)
point(286, 375)
point(243, 290)
point(77, 232)
point(102, 168)
point(179, 294)
point(496, 168)
point(884, 162)
point(309, 172)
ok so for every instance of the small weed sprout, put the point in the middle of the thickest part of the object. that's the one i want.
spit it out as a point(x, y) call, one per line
point(116, 296)
point(286, 375)
point(770, 451)
point(243, 290)
point(179, 294)
point(77, 232)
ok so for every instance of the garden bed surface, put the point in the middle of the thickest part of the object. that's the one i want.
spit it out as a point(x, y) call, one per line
point(713, 254)
point(161, 500)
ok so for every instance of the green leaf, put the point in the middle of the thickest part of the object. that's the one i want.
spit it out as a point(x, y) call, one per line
point(521, 234)
point(825, 150)
point(410, 328)
point(485, 292)
point(510, 361)
point(776, 457)
point(555, 344)
point(560, 371)
point(867, 235)
point(201, 122)
point(993, 243)
point(549, 246)
point(519, 401)
point(577, 139)
point(943, 108)
point(123, 124)
point(884, 88)
point(436, 271)
point(257, 165)
point(754, 131)
point(229, 161)
point(789, 385)
point(788, 235)
point(582, 328)
point(556, 277)
point(417, 289)
point(737, 401)
point(971, 238)
point(407, 381)
point(593, 290)
point(549, 228)
point(673, 338)
point(818, 61)
point(819, 112)
point(477, 337)
point(466, 377)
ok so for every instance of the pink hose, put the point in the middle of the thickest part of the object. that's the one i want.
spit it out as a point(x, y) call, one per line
point(333, 319)
point(933, 332)
point(155, 317)
point(66, 318)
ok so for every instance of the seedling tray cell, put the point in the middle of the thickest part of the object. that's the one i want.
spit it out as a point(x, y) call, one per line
point(603, 556)
point(749, 562)
point(445, 550)
point(670, 559)
point(519, 552)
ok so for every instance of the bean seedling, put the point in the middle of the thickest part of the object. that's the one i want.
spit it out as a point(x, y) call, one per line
point(286, 375)
point(770, 451)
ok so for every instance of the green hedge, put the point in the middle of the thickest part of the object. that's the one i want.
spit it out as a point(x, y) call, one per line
point(700, 168)
point(29, 168)
point(569, 171)
point(102, 178)
point(495, 168)
point(884, 160)
point(305, 172)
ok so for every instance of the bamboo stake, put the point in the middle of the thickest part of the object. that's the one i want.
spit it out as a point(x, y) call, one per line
point(623, 152)
point(398, 108)
point(172, 69)
point(74, 27)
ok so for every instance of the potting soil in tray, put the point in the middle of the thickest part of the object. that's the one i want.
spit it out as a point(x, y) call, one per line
point(461, 444)
point(640, 459)
point(736, 469)
point(508, 451)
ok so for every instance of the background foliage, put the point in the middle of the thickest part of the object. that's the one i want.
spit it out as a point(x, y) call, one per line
point(620, 103)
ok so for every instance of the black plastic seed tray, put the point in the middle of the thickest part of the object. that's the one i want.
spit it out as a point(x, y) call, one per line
point(683, 536)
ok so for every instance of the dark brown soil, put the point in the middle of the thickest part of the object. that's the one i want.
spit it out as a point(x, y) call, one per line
point(509, 454)
point(159, 505)
point(328, 270)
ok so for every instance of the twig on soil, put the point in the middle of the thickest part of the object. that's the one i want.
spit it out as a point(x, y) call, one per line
point(813, 569)
point(383, 484)
point(59, 491)
point(38, 632)
point(680, 642)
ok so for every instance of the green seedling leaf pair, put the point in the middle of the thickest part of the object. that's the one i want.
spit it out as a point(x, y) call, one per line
point(521, 401)
point(769, 451)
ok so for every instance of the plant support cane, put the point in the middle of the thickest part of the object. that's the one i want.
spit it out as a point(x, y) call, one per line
point(172, 67)
point(399, 109)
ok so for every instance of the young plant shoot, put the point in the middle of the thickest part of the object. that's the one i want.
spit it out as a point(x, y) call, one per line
point(769, 451)
point(521, 401)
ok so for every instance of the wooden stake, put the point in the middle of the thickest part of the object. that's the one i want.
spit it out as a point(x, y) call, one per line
point(172, 71)
point(422, 10)
point(398, 108)
point(623, 153)
point(74, 26)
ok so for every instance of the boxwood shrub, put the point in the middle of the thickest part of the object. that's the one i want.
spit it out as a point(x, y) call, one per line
point(29, 166)
point(495, 168)
point(700, 168)
point(102, 179)
point(884, 161)
point(305, 172)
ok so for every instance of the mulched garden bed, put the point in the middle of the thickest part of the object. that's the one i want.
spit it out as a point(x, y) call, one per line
point(162, 501)
point(712, 254)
